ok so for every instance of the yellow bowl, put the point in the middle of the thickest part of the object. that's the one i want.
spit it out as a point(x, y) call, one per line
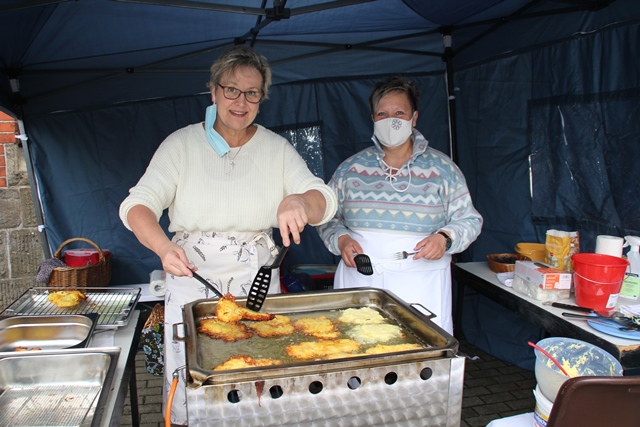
point(503, 263)
point(535, 251)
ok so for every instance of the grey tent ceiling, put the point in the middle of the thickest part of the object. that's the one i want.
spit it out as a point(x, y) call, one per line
point(73, 54)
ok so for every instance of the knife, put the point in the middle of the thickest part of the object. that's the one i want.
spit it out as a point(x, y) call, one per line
point(571, 307)
point(625, 322)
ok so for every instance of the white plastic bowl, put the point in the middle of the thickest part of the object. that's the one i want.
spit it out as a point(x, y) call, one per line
point(577, 357)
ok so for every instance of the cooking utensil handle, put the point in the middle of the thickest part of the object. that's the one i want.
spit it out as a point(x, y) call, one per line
point(176, 333)
point(209, 286)
point(431, 314)
point(279, 257)
point(572, 307)
point(579, 316)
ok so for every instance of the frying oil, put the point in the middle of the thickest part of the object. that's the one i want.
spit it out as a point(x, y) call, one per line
point(214, 352)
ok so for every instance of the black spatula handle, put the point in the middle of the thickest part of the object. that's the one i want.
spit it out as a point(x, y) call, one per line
point(572, 307)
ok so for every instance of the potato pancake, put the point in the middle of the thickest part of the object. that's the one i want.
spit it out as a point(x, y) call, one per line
point(364, 315)
point(241, 362)
point(228, 332)
point(228, 310)
point(319, 327)
point(66, 298)
point(370, 334)
point(319, 349)
point(277, 327)
point(381, 349)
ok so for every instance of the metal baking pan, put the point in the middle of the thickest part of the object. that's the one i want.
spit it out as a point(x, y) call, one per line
point(54, 332)
point(203, 353)
point(56, 388)
point(113, 305)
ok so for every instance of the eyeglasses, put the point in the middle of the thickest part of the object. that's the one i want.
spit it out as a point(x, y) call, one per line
point(230, 92)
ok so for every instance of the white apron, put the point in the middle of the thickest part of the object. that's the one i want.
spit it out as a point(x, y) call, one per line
point(425, 282)
point(229, 261)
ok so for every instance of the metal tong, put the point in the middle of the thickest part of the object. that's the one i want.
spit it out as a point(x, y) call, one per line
point(209, 286)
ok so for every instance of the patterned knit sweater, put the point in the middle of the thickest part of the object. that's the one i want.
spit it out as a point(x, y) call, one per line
point(206, 192)
point(434, 196)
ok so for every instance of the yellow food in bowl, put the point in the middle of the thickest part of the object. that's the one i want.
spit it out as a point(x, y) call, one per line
point(535, 251)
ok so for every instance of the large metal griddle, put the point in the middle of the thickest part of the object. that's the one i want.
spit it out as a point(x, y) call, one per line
point(436, 342)
point(411, 388)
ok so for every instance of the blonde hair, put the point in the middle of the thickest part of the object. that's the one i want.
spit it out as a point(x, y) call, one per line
point(241, 56)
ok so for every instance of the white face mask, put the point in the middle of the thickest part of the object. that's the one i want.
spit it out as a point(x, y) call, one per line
point(393, 131)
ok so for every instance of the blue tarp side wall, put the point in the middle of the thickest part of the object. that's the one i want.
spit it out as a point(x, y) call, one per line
point(498, 109)
point(87, 161)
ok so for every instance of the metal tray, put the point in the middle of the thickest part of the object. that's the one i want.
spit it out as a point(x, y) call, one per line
point(113, 305)
point(56, 388)
point(55, 332)
point(201, 350)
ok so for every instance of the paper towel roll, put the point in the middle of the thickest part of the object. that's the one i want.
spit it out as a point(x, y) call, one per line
point(158, 288)
point(609, 245)
point(157, 283)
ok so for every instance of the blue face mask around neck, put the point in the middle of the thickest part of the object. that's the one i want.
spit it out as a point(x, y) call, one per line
point(215, 139)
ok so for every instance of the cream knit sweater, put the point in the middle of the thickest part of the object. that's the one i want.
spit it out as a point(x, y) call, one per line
point(205, 193)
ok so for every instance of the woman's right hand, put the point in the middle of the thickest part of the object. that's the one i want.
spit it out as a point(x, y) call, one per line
point(144, 225)
point(349, 248)
point(174, 260)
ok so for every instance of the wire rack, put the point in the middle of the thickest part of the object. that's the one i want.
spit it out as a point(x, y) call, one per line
point(53, 405)
point(113, 305)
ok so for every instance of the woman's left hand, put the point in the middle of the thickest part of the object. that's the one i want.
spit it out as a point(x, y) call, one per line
point(432, 247)
point(292, 218)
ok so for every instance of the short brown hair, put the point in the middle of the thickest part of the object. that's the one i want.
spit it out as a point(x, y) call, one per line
point(393, 84)
point(240, 56)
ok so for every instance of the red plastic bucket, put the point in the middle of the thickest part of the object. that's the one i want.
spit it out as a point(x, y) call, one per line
point(597, 279)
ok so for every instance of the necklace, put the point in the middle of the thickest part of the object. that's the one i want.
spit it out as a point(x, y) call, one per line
point(231, 161)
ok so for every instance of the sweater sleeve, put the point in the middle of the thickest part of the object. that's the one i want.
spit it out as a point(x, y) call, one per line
point(156, 189)
point(335, 227)
point(463, 221)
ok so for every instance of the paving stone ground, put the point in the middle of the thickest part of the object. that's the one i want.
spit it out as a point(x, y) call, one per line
point(492, 389)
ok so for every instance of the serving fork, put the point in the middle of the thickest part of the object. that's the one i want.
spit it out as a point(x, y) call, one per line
point(402, 255)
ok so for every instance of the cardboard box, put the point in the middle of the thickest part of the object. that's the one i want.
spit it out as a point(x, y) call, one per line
point(545, 277)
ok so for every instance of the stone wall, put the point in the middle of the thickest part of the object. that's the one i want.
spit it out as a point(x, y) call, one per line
point(20, 247)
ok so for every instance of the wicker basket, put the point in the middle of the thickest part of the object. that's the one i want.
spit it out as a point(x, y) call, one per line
point(504, 263)
point(90, 276)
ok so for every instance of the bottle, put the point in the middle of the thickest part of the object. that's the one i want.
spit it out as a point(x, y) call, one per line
point(631, 283)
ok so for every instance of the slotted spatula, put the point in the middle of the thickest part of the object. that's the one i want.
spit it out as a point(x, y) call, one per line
point(260, 284)
point(363, 264)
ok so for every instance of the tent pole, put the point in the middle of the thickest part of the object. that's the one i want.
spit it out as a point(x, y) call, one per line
point(447, 57)
point(35, 194)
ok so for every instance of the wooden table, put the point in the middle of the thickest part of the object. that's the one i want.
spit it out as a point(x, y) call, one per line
point(478, 276)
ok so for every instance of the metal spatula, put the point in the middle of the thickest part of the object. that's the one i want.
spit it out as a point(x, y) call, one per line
point(260, 284)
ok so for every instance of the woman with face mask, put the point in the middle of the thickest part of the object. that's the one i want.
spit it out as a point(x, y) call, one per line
point(401, 195)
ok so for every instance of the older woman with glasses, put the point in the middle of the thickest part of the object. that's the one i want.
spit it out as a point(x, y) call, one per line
point(226, 183)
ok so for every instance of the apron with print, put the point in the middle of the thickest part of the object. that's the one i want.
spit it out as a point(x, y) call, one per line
point(423, 282)
point(229, 261)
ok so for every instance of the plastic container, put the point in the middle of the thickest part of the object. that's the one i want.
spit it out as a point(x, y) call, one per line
point(543, 409)
point(535, 251)
point(321, 275)
point(597, 279)
point(631, 283)
point(83, 256)
point(577, 357)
